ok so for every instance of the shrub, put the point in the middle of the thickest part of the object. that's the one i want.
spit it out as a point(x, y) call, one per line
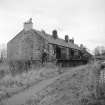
point(18, 67)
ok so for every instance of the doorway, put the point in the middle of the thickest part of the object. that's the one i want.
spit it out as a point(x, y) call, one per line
point(58, 52)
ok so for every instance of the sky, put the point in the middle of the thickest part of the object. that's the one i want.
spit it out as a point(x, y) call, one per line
point(84, 20)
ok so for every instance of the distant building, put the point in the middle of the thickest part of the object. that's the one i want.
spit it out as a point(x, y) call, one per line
point(29, 44)
point(100, 57)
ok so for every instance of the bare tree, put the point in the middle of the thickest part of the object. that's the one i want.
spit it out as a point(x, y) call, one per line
point(3, 52)
point(99, 50)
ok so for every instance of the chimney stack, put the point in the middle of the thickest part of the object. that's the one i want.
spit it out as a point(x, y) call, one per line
point(54, 34)
point(28, 25)
point(66, 38)
point(72, 40)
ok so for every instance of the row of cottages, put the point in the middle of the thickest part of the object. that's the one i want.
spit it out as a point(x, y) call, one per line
point(29, 44)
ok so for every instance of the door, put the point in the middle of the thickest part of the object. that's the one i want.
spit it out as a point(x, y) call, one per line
point(58, 52)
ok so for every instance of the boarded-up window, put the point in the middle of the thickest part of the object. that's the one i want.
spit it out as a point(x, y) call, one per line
point(76, 53)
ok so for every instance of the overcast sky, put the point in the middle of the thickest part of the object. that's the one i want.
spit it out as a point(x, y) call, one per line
point(84, 20)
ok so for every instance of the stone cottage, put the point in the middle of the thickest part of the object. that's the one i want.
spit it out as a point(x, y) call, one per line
point(29, 44)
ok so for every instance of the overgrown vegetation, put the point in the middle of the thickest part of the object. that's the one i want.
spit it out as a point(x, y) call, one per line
point(82, 85)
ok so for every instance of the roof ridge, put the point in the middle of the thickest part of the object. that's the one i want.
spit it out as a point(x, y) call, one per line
point(58, 41)
point(16, 35)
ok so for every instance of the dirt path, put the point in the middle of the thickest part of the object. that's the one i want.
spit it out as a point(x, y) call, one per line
point(21, 98)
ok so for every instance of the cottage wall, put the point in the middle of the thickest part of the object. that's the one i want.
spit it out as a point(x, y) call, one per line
point(27, 46)
point(39, 43)
point(13, 48)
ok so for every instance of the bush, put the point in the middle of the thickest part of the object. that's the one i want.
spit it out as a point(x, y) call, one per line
point(18, 67)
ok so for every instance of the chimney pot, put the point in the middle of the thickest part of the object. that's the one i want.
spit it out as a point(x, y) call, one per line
point(72, 40)
point(28, 25)
point(66, 38)
point(54, 34)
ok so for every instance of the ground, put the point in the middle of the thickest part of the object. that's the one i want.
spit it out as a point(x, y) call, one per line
point(73, 86)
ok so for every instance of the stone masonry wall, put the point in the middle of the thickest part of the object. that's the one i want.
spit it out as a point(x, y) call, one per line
point(24, 46)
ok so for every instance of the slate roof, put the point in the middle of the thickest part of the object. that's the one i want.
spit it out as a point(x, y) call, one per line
point(57, 41)
point(50, 39)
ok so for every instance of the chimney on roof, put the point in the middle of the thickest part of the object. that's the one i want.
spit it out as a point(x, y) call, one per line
point(28, 25)
point(81, 46)
point(54, 34)
point(71, 40)
point(66, 38)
